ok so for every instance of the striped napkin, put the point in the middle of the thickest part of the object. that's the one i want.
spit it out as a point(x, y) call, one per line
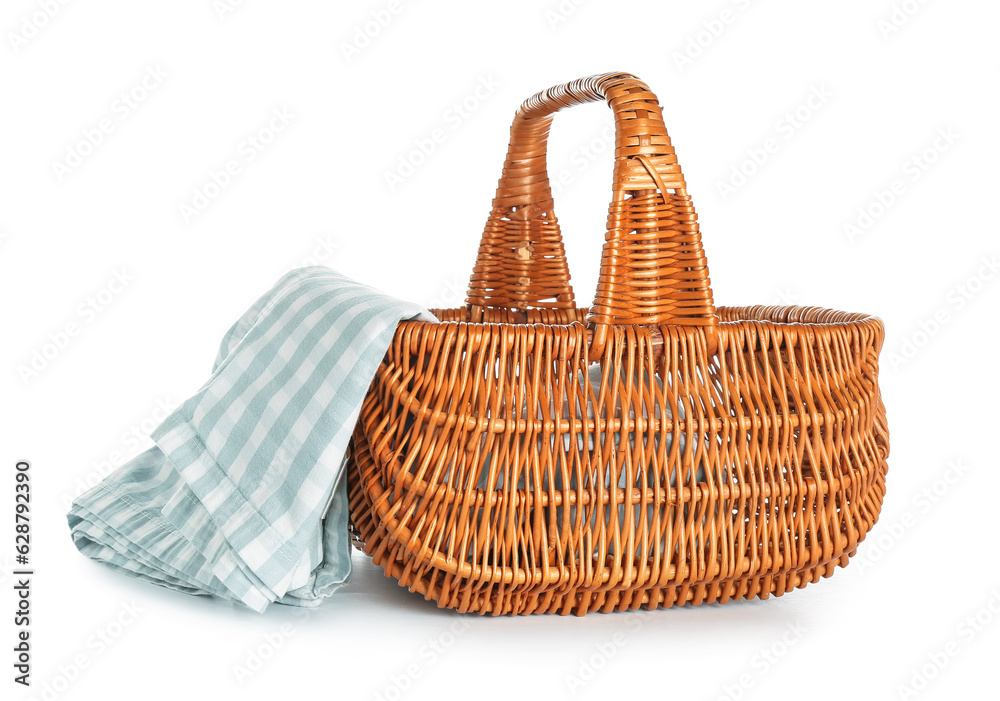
point(243, 495)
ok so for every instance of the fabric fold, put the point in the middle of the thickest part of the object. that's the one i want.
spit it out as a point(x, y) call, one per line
point(243, 495)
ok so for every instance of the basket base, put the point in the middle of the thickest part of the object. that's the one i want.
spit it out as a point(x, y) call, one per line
point(465, 596)
point(579, 603)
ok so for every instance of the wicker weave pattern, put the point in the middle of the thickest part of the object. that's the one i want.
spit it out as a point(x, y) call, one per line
point(491, 476)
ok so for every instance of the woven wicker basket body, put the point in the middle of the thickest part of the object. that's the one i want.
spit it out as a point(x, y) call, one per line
point(526, 455)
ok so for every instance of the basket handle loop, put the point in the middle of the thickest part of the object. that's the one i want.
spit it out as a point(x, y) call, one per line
point(653, 267)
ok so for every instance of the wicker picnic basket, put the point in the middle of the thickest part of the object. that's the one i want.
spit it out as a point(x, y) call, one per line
point(526, 455)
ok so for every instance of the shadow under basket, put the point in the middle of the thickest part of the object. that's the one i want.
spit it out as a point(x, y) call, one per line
point(526, 455)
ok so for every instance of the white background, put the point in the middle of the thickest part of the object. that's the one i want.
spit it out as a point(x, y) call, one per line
point(894, 75)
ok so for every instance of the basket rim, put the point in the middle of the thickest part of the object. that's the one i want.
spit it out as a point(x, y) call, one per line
point(729, 317)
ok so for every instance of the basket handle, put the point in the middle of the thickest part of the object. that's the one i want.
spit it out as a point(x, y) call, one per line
point(653, 267)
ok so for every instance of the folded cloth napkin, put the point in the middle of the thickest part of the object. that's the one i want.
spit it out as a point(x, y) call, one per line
point(243, 495)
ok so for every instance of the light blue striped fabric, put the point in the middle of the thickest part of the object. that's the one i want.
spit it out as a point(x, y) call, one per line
point(243, 496)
